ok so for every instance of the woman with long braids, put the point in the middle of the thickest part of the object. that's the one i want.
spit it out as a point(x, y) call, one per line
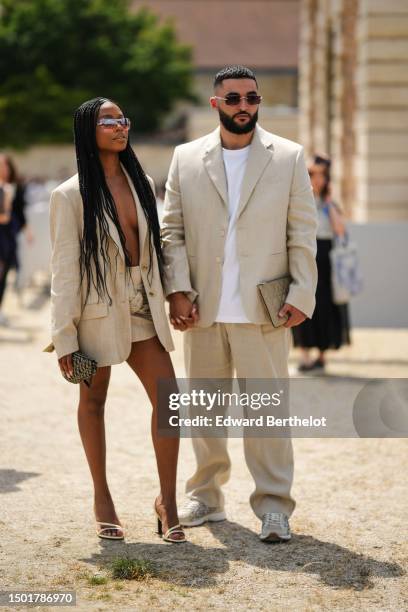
point(106, 294)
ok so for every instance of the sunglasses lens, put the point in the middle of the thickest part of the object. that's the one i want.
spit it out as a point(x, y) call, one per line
point(253, 99)
point(110, 124)
point(232, 100)
point(124, 122)
point(235, 99)
point(107, 123)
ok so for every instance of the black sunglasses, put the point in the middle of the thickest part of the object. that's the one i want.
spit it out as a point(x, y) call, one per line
point(233, 99)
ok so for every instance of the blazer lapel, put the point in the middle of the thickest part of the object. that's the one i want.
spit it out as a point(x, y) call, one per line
point(260, 154)
point(214, 164)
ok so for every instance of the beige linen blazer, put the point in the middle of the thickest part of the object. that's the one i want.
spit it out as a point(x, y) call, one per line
point(276, 224)
point(100, 330)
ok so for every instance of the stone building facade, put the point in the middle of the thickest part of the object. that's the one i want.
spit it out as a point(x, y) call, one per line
point(262, 34)
point(353, 101)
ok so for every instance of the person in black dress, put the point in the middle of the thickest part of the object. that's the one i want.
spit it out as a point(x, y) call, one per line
point(329, 326)
point(12, 221)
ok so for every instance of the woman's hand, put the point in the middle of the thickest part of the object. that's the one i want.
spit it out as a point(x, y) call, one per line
point(5, 208)
point(28, 233)
point(66, 367)
point(336, 220)
point(183, 314)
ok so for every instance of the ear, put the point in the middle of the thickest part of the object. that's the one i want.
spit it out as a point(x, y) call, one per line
point(213, 102)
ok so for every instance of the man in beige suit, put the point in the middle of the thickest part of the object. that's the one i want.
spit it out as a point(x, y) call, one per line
point(239, 210)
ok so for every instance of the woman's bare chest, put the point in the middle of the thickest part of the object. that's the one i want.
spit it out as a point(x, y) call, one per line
point(125, 205)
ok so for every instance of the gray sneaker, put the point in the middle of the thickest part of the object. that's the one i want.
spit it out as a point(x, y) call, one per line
point(195, 512)
point(275, 527)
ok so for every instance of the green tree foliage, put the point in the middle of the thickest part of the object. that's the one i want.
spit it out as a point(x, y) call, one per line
point(55, 54)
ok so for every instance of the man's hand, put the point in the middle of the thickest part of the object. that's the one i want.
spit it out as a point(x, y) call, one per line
point(296, 316)
point(183, 314)
point(65, 364)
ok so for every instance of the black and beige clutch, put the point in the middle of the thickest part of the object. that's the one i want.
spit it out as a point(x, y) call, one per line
point(273, 294)
point(83, 368)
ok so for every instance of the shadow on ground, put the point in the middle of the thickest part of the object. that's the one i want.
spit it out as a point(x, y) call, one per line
point(197, 566)
point(9, 479)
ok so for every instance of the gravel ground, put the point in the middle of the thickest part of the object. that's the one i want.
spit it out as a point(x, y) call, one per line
point(349, 550)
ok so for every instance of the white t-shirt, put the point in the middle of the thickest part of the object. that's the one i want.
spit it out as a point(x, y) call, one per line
point(230, 309)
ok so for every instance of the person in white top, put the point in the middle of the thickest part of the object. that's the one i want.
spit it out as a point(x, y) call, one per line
point(238, 210)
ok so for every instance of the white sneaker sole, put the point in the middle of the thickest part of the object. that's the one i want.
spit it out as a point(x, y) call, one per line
point(274, 537)
point(214, 517)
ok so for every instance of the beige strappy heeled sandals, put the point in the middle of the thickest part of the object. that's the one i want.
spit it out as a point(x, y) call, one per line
point(109, 527)
point(172, 531)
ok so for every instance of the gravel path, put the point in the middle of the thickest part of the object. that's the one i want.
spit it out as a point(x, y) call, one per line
point(348, 550)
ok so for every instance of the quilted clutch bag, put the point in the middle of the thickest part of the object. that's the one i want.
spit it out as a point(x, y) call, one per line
point(83, 367)
point(273, 294)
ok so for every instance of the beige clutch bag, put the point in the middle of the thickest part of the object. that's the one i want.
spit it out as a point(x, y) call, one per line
point(273, 294)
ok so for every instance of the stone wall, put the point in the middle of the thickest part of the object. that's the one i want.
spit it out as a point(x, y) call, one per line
point(353, 100)
point(382, 123)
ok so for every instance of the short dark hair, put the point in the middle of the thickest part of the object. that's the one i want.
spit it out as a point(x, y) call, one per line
point(234, 72)
point(323, 160)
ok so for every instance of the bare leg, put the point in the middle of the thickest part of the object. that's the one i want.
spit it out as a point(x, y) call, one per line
point(150, 361)
point(305, 358)
point(92, 430)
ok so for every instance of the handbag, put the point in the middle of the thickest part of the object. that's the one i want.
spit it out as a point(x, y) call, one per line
point(83, 367)
point(346, 277)
point(273, 294)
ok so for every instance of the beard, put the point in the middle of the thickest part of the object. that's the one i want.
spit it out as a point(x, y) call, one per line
point(230, 124)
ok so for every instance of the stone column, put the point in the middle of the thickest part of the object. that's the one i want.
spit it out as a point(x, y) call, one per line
point(382, 116)
point(306, 74)
point(314, 76)
point(327, 95)
point(348, 58)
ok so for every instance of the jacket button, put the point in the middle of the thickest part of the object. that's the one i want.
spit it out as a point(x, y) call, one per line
point(151, 292)
point(144, 266)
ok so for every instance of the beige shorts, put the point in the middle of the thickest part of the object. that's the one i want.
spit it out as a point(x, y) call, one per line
point(141, 318)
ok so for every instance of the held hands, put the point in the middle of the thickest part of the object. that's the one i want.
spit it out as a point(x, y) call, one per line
point(296, 316)
point(65, 364)
point(183, 314)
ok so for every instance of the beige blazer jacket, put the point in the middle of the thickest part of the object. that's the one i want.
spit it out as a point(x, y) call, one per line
point(276, 224)
point(100, 330)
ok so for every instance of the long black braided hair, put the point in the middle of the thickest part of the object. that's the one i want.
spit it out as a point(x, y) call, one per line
point(97, 200)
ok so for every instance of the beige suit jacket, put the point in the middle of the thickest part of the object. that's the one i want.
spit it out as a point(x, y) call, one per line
point(100, 330)
point(276, 224)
